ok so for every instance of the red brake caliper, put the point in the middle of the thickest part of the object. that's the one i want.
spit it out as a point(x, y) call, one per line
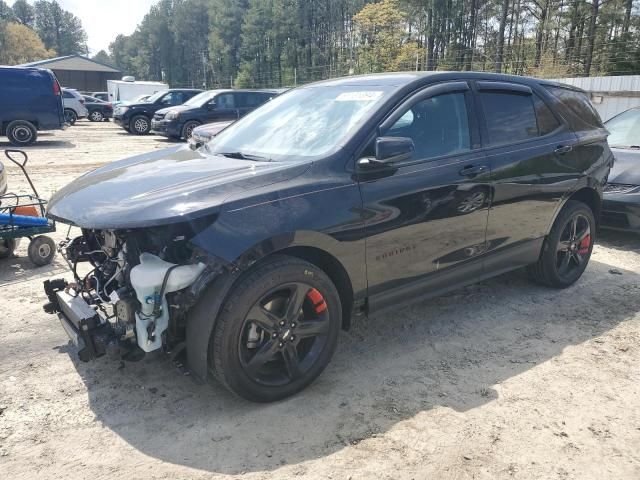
point(317, 300)
point(584, 245)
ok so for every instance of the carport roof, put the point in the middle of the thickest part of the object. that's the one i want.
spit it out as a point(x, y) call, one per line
point(73, 62)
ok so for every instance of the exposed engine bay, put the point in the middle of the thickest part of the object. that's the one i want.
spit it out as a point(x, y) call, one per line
point(131, 290)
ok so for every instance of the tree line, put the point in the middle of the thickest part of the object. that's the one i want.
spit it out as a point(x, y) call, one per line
point(39, 31)
point(270, 43)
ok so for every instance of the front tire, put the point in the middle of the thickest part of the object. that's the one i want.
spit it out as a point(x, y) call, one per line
point(21, 133)
point(567, 248)
point(277, 330)
point(140, 125)
point(187, 129)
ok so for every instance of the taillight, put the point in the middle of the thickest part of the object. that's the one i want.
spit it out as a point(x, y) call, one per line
point(56, 87)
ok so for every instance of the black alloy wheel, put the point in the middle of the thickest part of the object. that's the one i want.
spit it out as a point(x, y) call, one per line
point(283, 334)
point(567, 248)
point(277, 330)
point(574, 246)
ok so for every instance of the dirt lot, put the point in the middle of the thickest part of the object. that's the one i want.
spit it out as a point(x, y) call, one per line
point(499, 380)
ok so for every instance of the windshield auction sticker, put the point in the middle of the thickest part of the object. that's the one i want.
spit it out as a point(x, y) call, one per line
point(366, 96)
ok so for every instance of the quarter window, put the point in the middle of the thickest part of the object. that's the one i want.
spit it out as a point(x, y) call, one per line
point(438, 126)
point(510, 117)
point(547, 122)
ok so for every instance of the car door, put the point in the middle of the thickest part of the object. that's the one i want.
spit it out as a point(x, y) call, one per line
point(221, 108)
point(427, 215)
point(530, 152)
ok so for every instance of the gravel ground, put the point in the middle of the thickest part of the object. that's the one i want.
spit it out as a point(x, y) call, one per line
point(503, 379)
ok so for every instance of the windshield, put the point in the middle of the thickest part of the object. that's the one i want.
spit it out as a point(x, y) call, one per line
point(141, 98)
point(306, 122)
point(200, 99)
point(624, 129)
point(156, 96)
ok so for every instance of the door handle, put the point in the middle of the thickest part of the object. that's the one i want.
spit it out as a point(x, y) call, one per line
point(562, 149)
point(472, 170)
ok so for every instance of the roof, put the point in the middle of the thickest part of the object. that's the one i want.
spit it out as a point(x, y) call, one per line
point(401, 79)
point(614, 83)
point(73, 62)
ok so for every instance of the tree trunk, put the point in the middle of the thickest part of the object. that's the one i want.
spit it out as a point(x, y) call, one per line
point(627, 16)
point(500, 43)
point(591, 38)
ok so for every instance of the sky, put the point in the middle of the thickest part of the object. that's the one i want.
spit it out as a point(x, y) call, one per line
point(103, 20)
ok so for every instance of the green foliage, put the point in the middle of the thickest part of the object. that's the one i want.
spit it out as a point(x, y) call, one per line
point(259, 43)
point(59, 29)
point(24, 13)
point(21, 45)
point(102, 57)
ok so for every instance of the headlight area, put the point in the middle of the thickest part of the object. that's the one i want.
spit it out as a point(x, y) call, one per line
point(131, 291)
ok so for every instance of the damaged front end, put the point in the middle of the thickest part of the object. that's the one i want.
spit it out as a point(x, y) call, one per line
point(132, 289)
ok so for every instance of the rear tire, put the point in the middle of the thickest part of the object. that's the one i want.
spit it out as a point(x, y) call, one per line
point(22, 133)
point(41, 250)
point(7, 247)
point(272, 358)
point(567, 249)
point(96, 116)
point(70, 116)
point(140, 125)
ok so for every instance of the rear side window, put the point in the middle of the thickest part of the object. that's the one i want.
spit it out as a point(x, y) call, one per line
point(577, 108)
point(547, 121)
point(67, 94)
point(510, 117)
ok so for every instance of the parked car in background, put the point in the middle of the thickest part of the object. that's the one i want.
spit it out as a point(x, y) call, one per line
point(211, 106)
point(621, 207)
point(99, 111)
point(136, 117)
point(202, 134)
point(337, 199)
point(74, 107)
point(104, 96)
point(30, 101)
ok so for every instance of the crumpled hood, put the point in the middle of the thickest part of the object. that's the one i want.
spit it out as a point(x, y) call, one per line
point(158, 188)
point(626, 168)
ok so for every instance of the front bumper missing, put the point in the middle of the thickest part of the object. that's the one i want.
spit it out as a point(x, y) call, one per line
point(87, 330)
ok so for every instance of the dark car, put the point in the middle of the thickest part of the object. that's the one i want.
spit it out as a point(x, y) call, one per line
point(136, 117)
point(99, 110)
point(332, 201)
point(621, 206)
point(104, 96)
point(202, 134)
point(30, 101)
point(207, 107)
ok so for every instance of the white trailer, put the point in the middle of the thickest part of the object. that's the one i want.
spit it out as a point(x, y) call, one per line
point(126, 90)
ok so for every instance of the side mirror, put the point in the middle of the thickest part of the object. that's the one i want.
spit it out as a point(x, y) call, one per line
point(211, 106)
point(389, 150)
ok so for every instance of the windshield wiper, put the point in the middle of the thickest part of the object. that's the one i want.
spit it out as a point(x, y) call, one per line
point(243, 156)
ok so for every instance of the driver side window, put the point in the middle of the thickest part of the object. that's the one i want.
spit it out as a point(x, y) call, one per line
point(437, 125)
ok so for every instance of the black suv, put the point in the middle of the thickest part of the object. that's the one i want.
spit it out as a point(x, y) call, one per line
point(136, 118)
point(334, 200)
point(207, 107)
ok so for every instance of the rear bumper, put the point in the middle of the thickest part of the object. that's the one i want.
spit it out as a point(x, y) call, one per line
point(621, 212)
